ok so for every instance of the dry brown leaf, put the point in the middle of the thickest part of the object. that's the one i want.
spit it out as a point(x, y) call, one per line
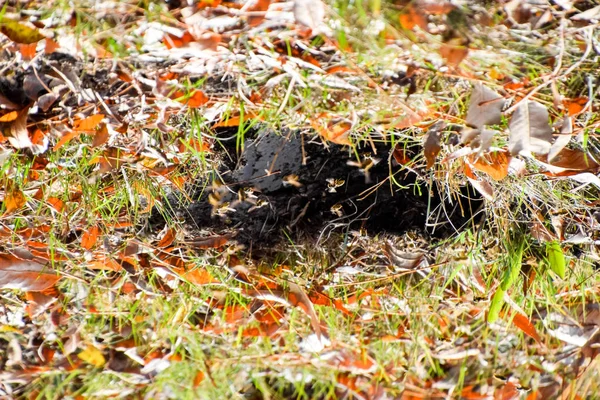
point(88, 124)
point(412, 16)
point(495, 164)
point(529, 129)
point(482, 187)
point(485, 107)
point(575, 160)
point(90, 237)
point(101, 136)
point(14, 198)
point(258, 6)
point(167, 239)
point(524, 324)
point(562, 140)
point(25, 273)
point(431, 144)
point(454, 52)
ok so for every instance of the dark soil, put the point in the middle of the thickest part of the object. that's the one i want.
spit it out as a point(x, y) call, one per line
point(302, 188)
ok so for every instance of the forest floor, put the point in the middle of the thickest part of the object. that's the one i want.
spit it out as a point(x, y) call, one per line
point(273, 200)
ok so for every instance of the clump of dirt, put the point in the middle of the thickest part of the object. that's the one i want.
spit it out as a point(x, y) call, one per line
point(288, 182)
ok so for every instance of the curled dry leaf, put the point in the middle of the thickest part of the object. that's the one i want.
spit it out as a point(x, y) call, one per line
point(530, 132)
point(482, 187)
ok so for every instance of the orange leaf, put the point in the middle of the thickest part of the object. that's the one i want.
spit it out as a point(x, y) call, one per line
point(335, 132)
point(101, 136)
point(495, 164)
point(575, 106)
point(453, 53)
point(257, 6)
point(207, 3)
point(198, 378)
point(90, 237)
point(411, 17)
point(9, 117)
point(56, 203)
point(51, 46)
point(89, 123)
point(198, 276)
point(65, 139)
point(524, 324)
point(196, 99)
point(14, 198)
point(167, 239)
point(28, 50)
point(172, 41)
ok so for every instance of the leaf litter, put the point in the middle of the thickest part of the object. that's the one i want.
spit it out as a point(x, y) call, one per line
point(108, 146)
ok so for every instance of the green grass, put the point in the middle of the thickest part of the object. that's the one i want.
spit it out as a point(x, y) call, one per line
point(427, 331)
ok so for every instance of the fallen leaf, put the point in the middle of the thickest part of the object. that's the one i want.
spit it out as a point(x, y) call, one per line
point(431, 143)
point(412, 16)
point(258, 6)
point(167, 239)
point(310, 13)
point(28, 51)
point(88, 124)
point(529, 129)
point(454, 52)
point(17, 134)
point(562, 140)
point(482, 187)
point(90, 237)
point(524, 324)
point(24, 273)
point(575, 160)
point(173, 41)
point(101, 136)
point(575, 106)
point(19, 32)
point(485, 107)
point(556, 258)
point(14, 198)
point(197, 276)
point(495, 164)
point(92, 356)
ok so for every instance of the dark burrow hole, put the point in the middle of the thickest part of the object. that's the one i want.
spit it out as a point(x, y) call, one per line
point(285, 185)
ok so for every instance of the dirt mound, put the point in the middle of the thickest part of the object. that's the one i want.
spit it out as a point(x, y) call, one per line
point(287, 183)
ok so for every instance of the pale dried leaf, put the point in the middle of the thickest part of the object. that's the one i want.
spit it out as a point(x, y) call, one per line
point(310, 13)
point(485, 107)
point(588, 15)
point(529, 129)
point(562, 140)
